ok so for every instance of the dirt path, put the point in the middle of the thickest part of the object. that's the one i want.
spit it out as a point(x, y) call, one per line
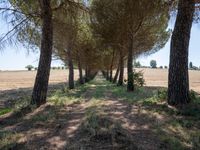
point(98, 120)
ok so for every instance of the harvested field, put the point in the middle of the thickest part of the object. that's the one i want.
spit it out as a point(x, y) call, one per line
point(159, 78)
point(25, 79)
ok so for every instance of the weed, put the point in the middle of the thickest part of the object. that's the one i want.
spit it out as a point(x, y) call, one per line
point(5, 111)
point(8, 139)
point(171, 142)
point(162, 94)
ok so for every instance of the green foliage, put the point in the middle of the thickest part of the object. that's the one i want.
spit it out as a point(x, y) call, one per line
point(193, 95)
point(8, 140)
point(113, 22)
point(162, 94)
point(137, 64)
point(175, 129)
point(5, 111)
point(22, 102)
point(29, 67)
point(190, 65)
point(44, 117)
point(153, 64)
point(66, 96)
point(172, 143)
point(196, 139)
point(138, 79)
point(150, 101)
point(190, 110)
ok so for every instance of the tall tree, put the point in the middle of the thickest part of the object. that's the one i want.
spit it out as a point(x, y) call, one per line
point(131, 28)
point(39, 93)
point(178, 82)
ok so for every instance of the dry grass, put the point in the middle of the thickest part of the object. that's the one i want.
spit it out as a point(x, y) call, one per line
point(25, 79)
point(100, 115)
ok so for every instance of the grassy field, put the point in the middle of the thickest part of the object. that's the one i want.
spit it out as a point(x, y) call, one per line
point(98, 115)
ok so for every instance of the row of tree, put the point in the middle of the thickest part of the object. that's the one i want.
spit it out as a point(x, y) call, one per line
point(102, 35)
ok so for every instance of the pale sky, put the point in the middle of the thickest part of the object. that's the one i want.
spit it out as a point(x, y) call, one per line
point(16, 58)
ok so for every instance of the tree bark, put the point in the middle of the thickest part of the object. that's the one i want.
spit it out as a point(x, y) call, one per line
point(111, 75)
point(81, 81)
point(40, 88)
point(178, 80)
point(111, 66)
point(116, 75)
point(121, 75)
point(71, 69)
point(107, 74)
point(130, 84)
point(87, 74)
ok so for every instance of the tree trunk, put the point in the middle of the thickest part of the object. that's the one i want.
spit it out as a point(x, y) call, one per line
point(40, 88)
point(87, 74)
point(81, 81)
point(107, 75)
point(111, 74)
point(116, 75)
point(121, 75)
point(130, 84)
point(178, 82)
point(71, 70)
point(111, 66)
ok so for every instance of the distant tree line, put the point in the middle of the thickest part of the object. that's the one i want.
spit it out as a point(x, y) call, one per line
point(103, 35)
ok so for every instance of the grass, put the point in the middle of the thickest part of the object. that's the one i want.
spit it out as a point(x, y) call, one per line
point(176, 129)
point(132, 97)
point(4, 111)
point(8, 140)
point(66, 96)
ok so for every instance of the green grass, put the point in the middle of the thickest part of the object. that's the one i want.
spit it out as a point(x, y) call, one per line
point(66, 96)
point(179, 130)
point(5, 111)
point(139, 95)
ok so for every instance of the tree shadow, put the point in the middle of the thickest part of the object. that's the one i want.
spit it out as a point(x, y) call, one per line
point(8, 98)
point(106, 117)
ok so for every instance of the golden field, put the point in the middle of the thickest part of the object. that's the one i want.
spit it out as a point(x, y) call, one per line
point(25, 79)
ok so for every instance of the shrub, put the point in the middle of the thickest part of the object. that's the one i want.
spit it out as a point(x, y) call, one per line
point(162, 94)
point(193, 95)
point(138, 79)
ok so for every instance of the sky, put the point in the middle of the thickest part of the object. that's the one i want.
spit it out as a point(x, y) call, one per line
point(16, 58)
point(162, 56)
